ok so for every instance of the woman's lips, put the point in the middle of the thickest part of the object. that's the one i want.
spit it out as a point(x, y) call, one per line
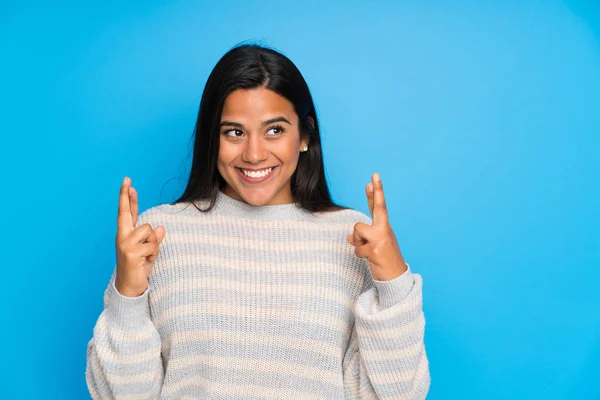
point(249, 179)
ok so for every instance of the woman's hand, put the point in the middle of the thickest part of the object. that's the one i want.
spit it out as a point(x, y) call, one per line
point(137, 248)
point(377, 242)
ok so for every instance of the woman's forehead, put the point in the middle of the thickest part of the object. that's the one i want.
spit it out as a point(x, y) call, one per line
point(254, 105)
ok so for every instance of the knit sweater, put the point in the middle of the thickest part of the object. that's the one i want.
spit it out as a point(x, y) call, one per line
point(268, 302)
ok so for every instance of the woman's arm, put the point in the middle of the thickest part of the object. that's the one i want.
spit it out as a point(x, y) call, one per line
point(123, 356)
point(386, 357)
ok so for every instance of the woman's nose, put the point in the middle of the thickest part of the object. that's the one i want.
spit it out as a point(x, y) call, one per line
point(254, 151)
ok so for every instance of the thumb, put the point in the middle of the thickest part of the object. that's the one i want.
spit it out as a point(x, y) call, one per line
point(160, 233)
point(358, 241)
point(350, 239)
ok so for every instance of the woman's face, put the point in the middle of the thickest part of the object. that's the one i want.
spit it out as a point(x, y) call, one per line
point(259, 146)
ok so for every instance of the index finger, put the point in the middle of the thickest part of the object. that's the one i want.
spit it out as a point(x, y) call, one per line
point(133, 204)
point(380, 215)
point(124, 219)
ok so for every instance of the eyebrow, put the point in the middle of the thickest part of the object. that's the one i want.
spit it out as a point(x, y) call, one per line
point(264, 123)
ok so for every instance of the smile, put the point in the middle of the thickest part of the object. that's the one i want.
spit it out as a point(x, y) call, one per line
point(252, 176)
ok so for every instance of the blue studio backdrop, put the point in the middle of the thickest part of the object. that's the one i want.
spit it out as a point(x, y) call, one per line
point(482, 117)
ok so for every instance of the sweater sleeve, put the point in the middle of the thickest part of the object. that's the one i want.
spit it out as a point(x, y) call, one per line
point(386, 357)
point(124, 354)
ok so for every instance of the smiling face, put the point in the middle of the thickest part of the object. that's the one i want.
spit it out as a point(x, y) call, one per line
point(259, 146)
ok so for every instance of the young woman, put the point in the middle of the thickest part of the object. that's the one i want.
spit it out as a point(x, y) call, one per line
point(254, 284)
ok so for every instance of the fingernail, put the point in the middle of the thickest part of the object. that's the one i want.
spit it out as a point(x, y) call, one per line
point(370, 187)
point(377, 178)
point(124, 180)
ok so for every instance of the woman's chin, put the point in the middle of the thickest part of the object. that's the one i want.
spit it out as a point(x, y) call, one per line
point(256, 198)
point(260, 196)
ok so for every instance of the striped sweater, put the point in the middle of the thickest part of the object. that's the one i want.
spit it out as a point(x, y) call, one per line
point(267, 302)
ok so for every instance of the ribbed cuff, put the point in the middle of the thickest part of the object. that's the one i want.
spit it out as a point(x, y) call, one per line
point(127, 312)
point(394, 291)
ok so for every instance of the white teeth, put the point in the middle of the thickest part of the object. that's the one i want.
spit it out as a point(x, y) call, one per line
point(257, 174)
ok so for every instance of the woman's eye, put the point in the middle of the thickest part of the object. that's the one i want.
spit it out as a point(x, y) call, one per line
point(276, 130)
point(234, 131)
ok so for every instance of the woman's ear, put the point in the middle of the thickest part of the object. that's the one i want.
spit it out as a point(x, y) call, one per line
point(311, 122)
point(304, 144)
point(305, 140)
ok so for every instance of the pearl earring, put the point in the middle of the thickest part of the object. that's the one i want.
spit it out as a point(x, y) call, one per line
point(304, 148)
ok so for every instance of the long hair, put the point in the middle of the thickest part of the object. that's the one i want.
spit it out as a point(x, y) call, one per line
point(250, 66)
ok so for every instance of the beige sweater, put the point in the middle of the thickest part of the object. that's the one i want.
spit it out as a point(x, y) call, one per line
point(267, 302)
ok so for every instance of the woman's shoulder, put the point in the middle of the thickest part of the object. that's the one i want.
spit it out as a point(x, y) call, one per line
point(343, 216)
point(162, 214)
point(188, 212)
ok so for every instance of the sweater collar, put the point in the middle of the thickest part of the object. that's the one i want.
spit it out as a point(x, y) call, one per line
point(226, 205)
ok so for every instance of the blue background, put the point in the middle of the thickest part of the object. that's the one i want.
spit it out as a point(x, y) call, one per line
point(482, 118)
